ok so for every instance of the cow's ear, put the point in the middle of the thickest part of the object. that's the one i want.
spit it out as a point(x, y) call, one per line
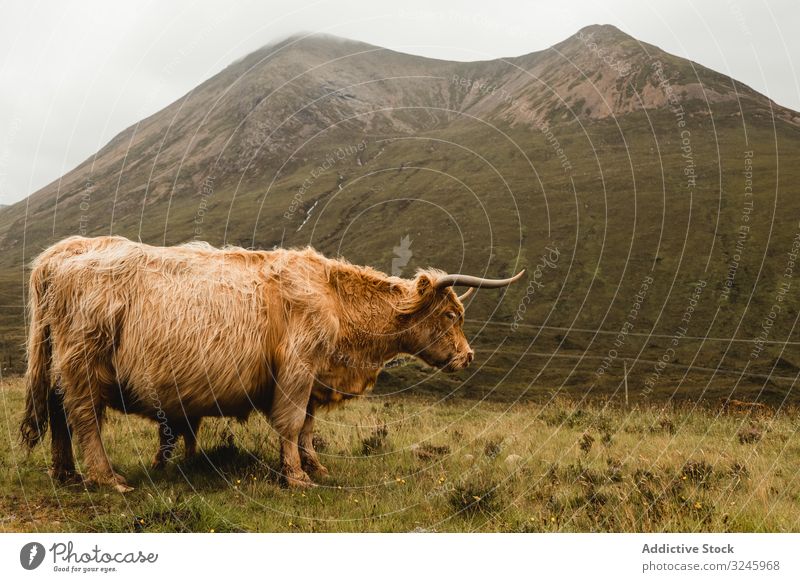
point(418, 296)
point(424, 284)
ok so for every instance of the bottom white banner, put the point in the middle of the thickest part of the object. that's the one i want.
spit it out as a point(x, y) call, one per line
point(374, 557)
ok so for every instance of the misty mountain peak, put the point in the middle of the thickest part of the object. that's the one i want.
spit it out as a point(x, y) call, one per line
point(259, 113)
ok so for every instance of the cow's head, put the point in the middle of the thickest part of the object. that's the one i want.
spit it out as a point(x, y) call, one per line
point(432, 317)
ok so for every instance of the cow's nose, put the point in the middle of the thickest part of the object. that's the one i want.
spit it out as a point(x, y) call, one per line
point(470, 355)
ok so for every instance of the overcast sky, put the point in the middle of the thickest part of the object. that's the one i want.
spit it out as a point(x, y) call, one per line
point(74, 74)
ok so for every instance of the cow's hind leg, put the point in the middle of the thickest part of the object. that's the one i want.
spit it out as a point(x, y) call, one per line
point(167, 439)
point(190, 437)
point(169, 432)
point(308, 455)
point(63, 468)
point(85, 408)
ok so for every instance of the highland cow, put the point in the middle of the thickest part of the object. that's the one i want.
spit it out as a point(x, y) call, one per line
point(179, 333)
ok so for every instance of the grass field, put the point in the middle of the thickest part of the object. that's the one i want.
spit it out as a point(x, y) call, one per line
point(419, 464)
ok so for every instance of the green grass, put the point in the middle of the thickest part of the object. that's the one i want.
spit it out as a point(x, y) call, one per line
point(417, 463)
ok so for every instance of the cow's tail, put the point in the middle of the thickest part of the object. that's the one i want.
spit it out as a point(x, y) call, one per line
point(37, 377)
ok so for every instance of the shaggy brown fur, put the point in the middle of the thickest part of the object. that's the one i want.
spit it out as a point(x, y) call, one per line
point(179, 333)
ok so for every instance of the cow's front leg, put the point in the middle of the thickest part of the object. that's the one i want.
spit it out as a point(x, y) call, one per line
point(292, 393)
point(308, 456)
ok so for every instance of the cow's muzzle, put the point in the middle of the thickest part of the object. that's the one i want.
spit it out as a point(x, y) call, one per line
point(458, 362)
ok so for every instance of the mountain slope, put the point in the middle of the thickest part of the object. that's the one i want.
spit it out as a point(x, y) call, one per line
point(634, 164)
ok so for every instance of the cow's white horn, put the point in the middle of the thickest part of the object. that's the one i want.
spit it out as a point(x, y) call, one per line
point(470, 281)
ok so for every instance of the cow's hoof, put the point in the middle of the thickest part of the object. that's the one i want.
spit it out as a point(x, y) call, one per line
point(66, 476)
point(317, 469)
point(123, 488)
point(116, 481)
point(158, 464)
point(300, 480)
point(120, 484)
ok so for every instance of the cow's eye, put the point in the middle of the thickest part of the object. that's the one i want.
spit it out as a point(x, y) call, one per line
point(451, 315)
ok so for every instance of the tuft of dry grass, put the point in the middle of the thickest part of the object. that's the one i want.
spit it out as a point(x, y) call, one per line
point(376, 441)
point(749, 435)
point(586, 441)
point(429, 452)
point(478, 494)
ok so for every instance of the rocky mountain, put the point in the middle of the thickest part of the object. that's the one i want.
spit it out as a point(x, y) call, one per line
point(633, 164)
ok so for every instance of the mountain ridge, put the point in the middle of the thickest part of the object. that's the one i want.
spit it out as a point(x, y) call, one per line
point(321, 44)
